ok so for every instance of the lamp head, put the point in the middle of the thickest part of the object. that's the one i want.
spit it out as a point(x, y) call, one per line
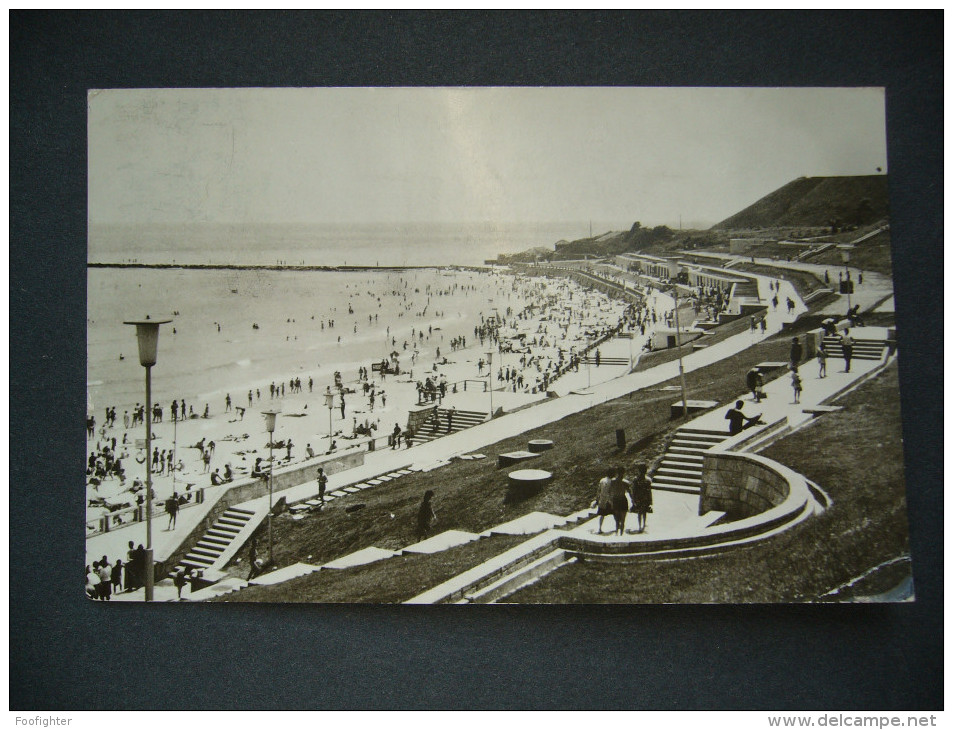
point(147, 333)
point(270, 420)
point(489, 357)
point(329, 400)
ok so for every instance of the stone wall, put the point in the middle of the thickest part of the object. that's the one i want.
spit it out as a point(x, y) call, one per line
point(418, 416)
point(741, 485)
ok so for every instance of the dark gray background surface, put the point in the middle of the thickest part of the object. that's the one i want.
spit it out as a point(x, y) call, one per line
point(70, 653)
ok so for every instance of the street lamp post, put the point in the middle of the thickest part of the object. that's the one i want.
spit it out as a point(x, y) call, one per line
point(270, 417)
point(678, 344)
point(489, 377)
point(147, 334)
point(845, 256)
point(329, 404)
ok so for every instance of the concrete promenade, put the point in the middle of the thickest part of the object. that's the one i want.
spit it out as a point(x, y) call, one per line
point(876, 288)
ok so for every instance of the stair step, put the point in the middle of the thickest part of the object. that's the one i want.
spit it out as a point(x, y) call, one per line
point(235, 514)
point(687, 457)
point(688, 481)
point(216, 539)
point(682, 449)
point(200, 559)
point(227, 528)
point(212, 547)
point(231, 522)
point(677, 488)
point(697, 439)
point(205, 553)
point(192, 564)
point(677, 466)
point(248, 512)
point(672, 472)
point(678, 440)
point(704, 431)
point(221, 534)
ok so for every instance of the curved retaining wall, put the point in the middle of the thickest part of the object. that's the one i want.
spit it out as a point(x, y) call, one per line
point(760, 496)
point(741, 485)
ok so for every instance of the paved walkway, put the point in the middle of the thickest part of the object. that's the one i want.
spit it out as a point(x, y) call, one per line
point(875, 289)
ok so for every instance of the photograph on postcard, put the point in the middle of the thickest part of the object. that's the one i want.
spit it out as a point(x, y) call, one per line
point(492, 345)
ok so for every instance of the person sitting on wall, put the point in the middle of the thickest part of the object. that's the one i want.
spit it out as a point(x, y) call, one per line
point(738, 421)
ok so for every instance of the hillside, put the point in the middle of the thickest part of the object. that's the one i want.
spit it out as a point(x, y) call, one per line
point(816, 201)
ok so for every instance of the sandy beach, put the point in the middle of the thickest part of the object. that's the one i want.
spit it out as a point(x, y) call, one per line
point(534, 318)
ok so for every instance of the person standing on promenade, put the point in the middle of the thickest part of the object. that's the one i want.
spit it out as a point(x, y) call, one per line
point(796, 384)
point(620, 505)
point(755, 383)
point(228, 402)
point(131, 569)
point(322, 483)
point(450, 412)
point(641, 495)
point(342, 405)
point(254, 567)
point(847, 343)
point(105, 578)
point(92, 582)
point(797, 351)
point(179, 579)
point(821, 361)
point(116, 576)
point(426, 516)
point(606, 503)
point(395, 437)
point(172, 507)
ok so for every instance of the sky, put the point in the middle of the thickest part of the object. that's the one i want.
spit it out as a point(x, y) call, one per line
point(463, 155)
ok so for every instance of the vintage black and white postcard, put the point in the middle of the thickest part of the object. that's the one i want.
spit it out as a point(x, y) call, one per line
point(492, 345)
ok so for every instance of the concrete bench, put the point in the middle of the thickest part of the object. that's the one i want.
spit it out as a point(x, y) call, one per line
point(817, 410)
point(768, 368)
point(526, 482)
point(694, 406)
point(537, 446)
point(513, 457)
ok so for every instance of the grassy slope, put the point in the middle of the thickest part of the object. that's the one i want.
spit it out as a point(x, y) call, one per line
point(814, 201)
point(866, 525)
point(870, 255)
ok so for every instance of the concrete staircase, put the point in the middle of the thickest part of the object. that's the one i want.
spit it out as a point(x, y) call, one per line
point(863, 349)
point(217, 539)
point(746, 288)
point(436, 426)
point(680, 469)
point(591, 360)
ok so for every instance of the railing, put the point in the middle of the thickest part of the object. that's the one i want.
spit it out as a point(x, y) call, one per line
point(133, 515)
